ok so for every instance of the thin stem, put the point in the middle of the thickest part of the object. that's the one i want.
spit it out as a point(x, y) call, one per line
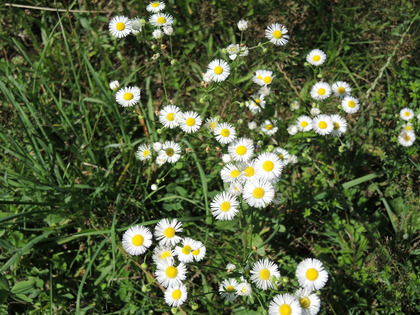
point(162, 73)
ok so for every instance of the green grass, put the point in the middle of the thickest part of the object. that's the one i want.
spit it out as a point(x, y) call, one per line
point(71, 184)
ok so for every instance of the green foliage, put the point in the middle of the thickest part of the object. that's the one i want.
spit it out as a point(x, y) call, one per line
point(71, 184)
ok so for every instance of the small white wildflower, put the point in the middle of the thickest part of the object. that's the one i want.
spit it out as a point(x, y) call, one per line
point(153, 187)
point(315, 111)
point(226, 158)
point(157, 34)
point(292, 130)
point(252, 125)
point(242, 25)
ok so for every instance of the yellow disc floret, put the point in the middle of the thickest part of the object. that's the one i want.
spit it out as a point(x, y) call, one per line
point(277, 34)
point(176, 295)
point(218, 70)
point(186, 250)
point(190, 122)
point(169, 232)
point(321, 91)
point(170, 117)
point(128, 96)
point(265, 274)
point(322, 124)
point(258, 193)
point(352, 104)
point(312, 274)
point(305, 302)
point(138, 240)
point(225, 206)
point(161, 20)
point(285, 309)
point(241, 150)
point(120, 26)
point(171, 272)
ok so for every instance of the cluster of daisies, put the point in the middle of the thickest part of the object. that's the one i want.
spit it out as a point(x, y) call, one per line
point(265, 275)
point(170, 256)
point(407, 135)
point(121, 26)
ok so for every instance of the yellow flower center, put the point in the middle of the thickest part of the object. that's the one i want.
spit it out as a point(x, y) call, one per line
point(267, 80)
point(218, 70)
point(213, 125)
point(341, 90)
point(230, 288)
point(186, 250)
point(176, 295)
point(312, 274)
point(249, 171)
point(277, 34)
point(321, 91)
point(258, 193)
point(190, 122)
point(281, 156)
point(305, 302)
point(352, 104)
point(243, 290)
point(285, 309)
point(241, 150)
point(269, 127)
point(304, 124)
point(259, 77)
point(265, 274)
point(316, 58)
point(235, 173)
point(138, 240)
point(165, 254)
point(170, 152)
point(161, 20)
point(408, 128)
point(407, 114)
point(128, 96)
point(155, 4)
point(225, 132)
point(258, 100)
point(196, 252)
point(171, 272)
point(120, 26)
point(336, 125)
point(170, 117)
point(169, 232)
point(322, 124)
point(146, 153)
point(225, 206)
point(407, 138)
point(268, 166)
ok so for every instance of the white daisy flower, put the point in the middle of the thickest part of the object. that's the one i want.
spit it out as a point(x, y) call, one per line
point(341, 89)
point(236, 188)
point(128, 96)
point(292, 130)
point(226, 158)
point(233, 49)
point(225, 133)
point(208, 76)
point(161, 19)
point(406, 114)
point(219, 70)
point(244, 289)
point(248, 170)
point(155, 6)
point(284, 304)
point(143, 152)
point(114, 85)
point(268, 166)
point(295, 105)
point(162, 253)
point(184, 252)
point(153, 187)
point(199, 251)
point(256, 104)
point(407, 138)
point(258, 193)
point(169, 275)
point(269, 128)
point(261, 273)
point(242, 25)
point(321, 91)
point(230, 268)
point(190, 121)
point(316, 57)
point(283, 155)
point(168, 30)
point(241, 149)
point(252, 125)
point(293, 159)
point(137, 25)
point(311, 274)
point(304, 123)
point(350, 105)
point(309, 302)
point(136, 240)
point(263, 77)
point(211, 123)
point(224, 206)
point(165, 232)
point(315, 111)
point(171, 150)
point(162, 158)
point(176, 295)
point(120, 26)
point(276, 33)
point(408, 127)
point(322, 125)
point(230, 173)
point(264, 90)
point(243, 52)
point(157, 146)
point(340, 125)
point(227, 289)
point(157, 34)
